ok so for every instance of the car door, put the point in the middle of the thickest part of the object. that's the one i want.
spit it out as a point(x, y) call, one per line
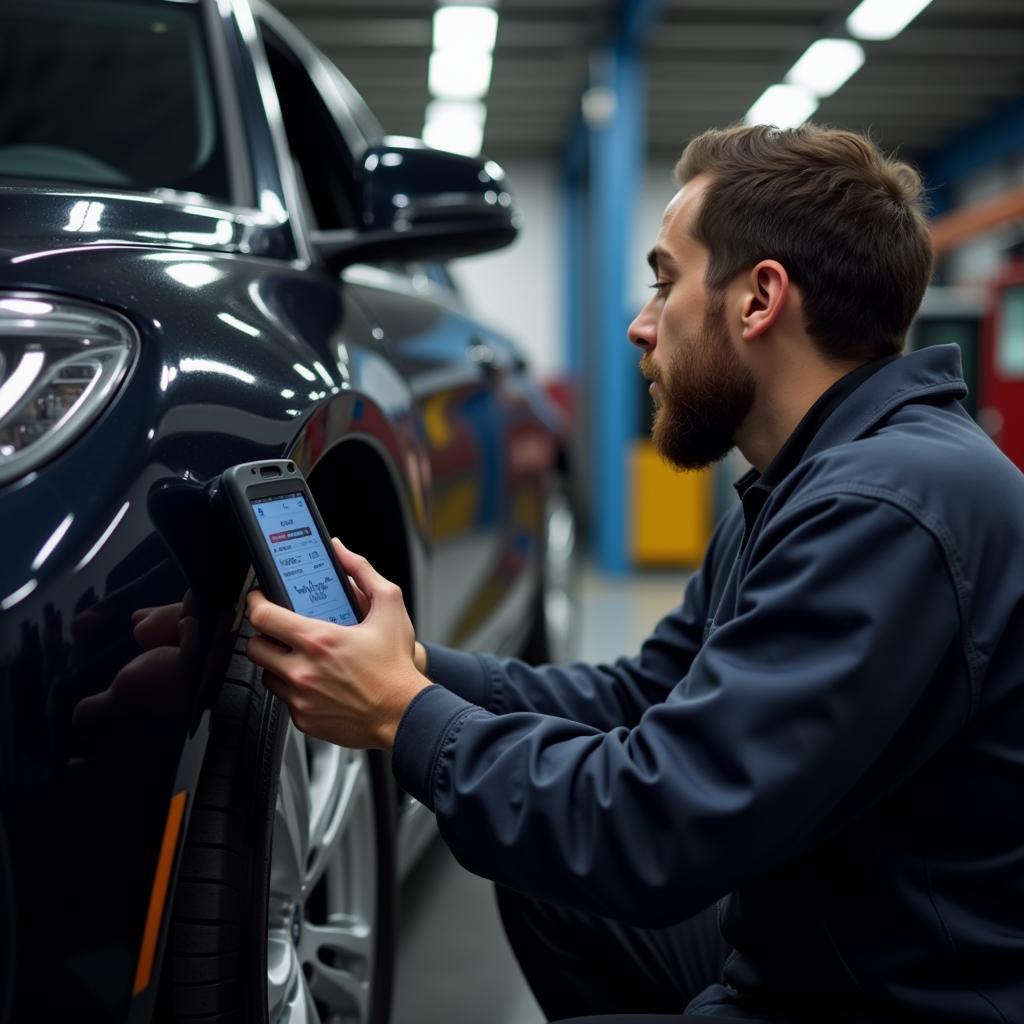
point(457, 380)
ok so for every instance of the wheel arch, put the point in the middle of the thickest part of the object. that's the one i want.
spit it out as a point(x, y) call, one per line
point(361, 501)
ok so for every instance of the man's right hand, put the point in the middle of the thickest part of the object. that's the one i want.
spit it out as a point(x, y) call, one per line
point(419, 652)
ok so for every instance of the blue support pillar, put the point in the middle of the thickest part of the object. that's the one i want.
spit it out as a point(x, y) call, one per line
point(617, 149)
point(603, 174)
point(615, 175)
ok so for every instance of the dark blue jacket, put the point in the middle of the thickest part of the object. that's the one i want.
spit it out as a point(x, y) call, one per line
point(827, 736)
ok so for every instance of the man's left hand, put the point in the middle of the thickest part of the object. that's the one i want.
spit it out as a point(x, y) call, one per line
point(347, 684)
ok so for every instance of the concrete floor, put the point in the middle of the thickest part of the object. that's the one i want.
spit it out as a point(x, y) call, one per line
point(454, 966)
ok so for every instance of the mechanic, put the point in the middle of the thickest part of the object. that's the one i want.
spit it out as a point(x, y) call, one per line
point(802, 800)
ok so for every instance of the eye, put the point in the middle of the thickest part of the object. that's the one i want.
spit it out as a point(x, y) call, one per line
point(661, 287)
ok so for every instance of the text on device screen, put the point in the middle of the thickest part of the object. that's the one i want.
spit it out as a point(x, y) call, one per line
point(303, 562)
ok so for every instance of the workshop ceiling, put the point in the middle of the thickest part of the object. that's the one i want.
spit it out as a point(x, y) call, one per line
point(708, 60)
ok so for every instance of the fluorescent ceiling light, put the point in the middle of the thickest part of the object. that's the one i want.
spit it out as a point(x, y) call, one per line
point(459, 76)
point(785, 106)
point(466, 139)
point(466, 29)
point(448, 110)
point(456, 127)
point(883, 19)
point(826, 65)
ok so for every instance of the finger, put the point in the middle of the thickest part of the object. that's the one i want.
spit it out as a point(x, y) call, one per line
point(139, 614)
point(159, 628)
point(369, 581)
point(280, 623)
point(268, 655)
point(188, 640)
point(361, 599)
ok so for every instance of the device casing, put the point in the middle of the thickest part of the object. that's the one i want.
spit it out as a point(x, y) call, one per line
point(267, 479)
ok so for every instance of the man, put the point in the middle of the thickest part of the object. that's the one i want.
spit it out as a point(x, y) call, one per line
point(822, 749)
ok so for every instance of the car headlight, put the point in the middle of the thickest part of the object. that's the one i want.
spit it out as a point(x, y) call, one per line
point(60, 362)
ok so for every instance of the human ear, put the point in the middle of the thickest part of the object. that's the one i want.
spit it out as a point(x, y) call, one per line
point(764, 298)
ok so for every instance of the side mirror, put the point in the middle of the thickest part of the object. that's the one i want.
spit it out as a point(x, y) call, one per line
point(419, 203)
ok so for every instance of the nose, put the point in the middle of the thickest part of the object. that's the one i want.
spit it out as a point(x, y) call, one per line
point(643, 331)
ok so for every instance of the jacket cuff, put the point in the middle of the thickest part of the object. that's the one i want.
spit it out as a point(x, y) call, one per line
point(431, 717)
point(462, 673)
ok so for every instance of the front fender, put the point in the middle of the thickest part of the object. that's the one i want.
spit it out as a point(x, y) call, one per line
point(100, 732)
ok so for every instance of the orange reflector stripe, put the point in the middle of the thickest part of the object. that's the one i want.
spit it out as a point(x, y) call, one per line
point(158, 896)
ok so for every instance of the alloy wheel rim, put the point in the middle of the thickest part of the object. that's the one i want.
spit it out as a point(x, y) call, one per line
point(323, 887)
point(560, 612)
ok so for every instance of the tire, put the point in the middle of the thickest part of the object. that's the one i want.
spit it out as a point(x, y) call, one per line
point(554, 626)
point(7, 919)
point(284, 906)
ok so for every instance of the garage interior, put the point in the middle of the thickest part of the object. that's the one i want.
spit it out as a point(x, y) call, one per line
point(137, 851)
point(588, 102)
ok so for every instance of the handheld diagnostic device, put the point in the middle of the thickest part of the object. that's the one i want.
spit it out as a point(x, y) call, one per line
point(290, 547)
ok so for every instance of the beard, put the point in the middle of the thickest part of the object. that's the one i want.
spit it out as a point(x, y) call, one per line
point(705, 393)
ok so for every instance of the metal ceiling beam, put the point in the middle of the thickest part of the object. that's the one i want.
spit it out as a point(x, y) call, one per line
point(514, 35)
point(753, 36)
point(394, 33)
point(957, 44)
point(634, 22)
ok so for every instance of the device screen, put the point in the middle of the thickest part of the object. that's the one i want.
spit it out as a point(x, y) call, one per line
point(301, 558)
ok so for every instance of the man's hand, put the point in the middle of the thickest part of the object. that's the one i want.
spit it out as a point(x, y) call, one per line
point(419, 657)
point(346, 684)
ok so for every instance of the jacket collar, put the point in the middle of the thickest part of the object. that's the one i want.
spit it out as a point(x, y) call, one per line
point(849, 409)
point(931, 371)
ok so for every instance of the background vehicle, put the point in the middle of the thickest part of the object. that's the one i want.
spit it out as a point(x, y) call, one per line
point(190, 198)
point(988, 325)
point(951, 315)
point(1002, 361)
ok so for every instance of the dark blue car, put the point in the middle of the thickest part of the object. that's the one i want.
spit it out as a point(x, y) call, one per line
point(210, 254)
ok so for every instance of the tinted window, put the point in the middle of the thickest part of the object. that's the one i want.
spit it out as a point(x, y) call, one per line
point(323, 163)
point(116, 94)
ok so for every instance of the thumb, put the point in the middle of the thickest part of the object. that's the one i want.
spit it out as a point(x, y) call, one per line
point(361, 599)
point(367, 579)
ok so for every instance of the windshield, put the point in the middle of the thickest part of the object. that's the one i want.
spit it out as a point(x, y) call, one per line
point(110, 93)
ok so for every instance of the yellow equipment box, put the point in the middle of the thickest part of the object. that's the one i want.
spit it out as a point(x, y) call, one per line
point(672, 514)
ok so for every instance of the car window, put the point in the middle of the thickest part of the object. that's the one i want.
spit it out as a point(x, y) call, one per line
point(351, 103)
point(324, 164)
point(114, 93)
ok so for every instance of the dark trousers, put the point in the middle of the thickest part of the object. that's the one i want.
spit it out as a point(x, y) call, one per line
point(591, 969)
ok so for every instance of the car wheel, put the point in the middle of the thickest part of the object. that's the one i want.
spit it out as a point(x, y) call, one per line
point(555, 624)
point(7, 971)
point(284, 907)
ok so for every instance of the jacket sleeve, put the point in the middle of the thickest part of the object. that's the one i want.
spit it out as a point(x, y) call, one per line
point(843, 618)
point(604, 696)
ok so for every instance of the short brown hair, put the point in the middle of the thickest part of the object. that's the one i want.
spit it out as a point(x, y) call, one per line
point(842, 218)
